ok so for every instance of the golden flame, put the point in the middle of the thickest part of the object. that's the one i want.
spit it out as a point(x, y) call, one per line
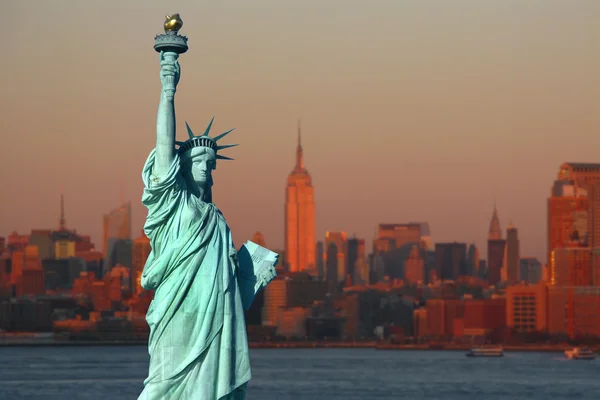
point(173, 23)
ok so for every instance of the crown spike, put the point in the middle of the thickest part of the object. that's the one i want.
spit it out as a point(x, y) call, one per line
point(207, 131)
point(222, 135)
point(204, 141)
point(226, 146)
point(189, 130)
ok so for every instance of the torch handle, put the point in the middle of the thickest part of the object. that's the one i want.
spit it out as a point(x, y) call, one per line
point(170, 81)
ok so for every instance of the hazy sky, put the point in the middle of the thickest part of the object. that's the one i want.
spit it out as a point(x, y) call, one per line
point(411, 110)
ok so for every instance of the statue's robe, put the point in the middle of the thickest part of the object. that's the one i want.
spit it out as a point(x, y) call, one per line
point(198, 343)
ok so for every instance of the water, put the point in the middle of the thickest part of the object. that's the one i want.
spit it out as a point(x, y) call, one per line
point(100, 373)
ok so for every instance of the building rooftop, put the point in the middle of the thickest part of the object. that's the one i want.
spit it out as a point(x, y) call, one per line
point(580, 165)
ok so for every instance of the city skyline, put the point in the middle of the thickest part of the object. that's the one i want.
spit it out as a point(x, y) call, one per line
point(495, 232)
point(431, 124)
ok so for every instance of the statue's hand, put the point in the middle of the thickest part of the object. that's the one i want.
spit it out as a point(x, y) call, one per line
point(170, 71)
point(267, 275)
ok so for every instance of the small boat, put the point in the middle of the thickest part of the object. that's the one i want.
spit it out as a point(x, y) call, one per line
point(580, 353)
point(486, 351)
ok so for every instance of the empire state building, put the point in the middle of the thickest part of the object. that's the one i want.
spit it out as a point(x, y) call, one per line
point(299, 217)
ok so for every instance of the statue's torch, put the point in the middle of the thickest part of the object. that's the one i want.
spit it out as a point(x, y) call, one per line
point(172, 44)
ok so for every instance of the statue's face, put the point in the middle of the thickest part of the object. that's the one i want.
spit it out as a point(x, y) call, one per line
point(199, 163)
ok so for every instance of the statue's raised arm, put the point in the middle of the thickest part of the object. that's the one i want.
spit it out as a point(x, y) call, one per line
point(165, 120)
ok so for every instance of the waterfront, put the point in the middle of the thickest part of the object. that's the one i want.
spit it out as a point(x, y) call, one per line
point(25, 339)
point(117, 372)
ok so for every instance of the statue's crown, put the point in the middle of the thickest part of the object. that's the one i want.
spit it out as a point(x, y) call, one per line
point(204, 141)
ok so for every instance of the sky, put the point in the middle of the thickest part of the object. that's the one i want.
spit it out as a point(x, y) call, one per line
point(411, 110)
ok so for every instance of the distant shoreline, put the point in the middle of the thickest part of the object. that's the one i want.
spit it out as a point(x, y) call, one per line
point(409, 347)
point(30, 342)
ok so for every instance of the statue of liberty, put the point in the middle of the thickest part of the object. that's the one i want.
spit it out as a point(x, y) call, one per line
point(198, 344)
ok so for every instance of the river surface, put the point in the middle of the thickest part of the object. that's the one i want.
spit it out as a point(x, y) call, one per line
point(117, 372)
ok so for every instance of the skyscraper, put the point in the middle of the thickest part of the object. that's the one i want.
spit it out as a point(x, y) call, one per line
point(450, 260)
point(530, 270)
point(117, 237)
point(414, 266)
point(341, 244)
point(300, 243)
point(573, 221)
point(512, 254)
point(473, 261)
point(64, 239)
point(495, 231)
point(574, 218)
point(320, 259)
point(567, 216)
point(117, 225)
point(355, 252)
point(495, 250)
point(331, 267)
point(573, 251)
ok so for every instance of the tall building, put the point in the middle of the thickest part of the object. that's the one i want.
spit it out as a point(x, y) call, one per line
point(572, 220)
point(362, 271)
point(331, 267)
point(414, 266)
point(377, 273)
point(356, 252)
point(575, 267)
point(495, 262)
point(512, 254)
point(340, 239)
point(299, 217)
point(117, 225)
point(573, 250)
point(530, 270)
point(321, 259)
point(450, 260)
point(495, 250)
point(495, 231)
point(574, 224)
point(119, 253)
point(483, 270)
point(473, 261)
point(117, 237)
point(580, 174)
point(64, 239)
point(567, 216)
